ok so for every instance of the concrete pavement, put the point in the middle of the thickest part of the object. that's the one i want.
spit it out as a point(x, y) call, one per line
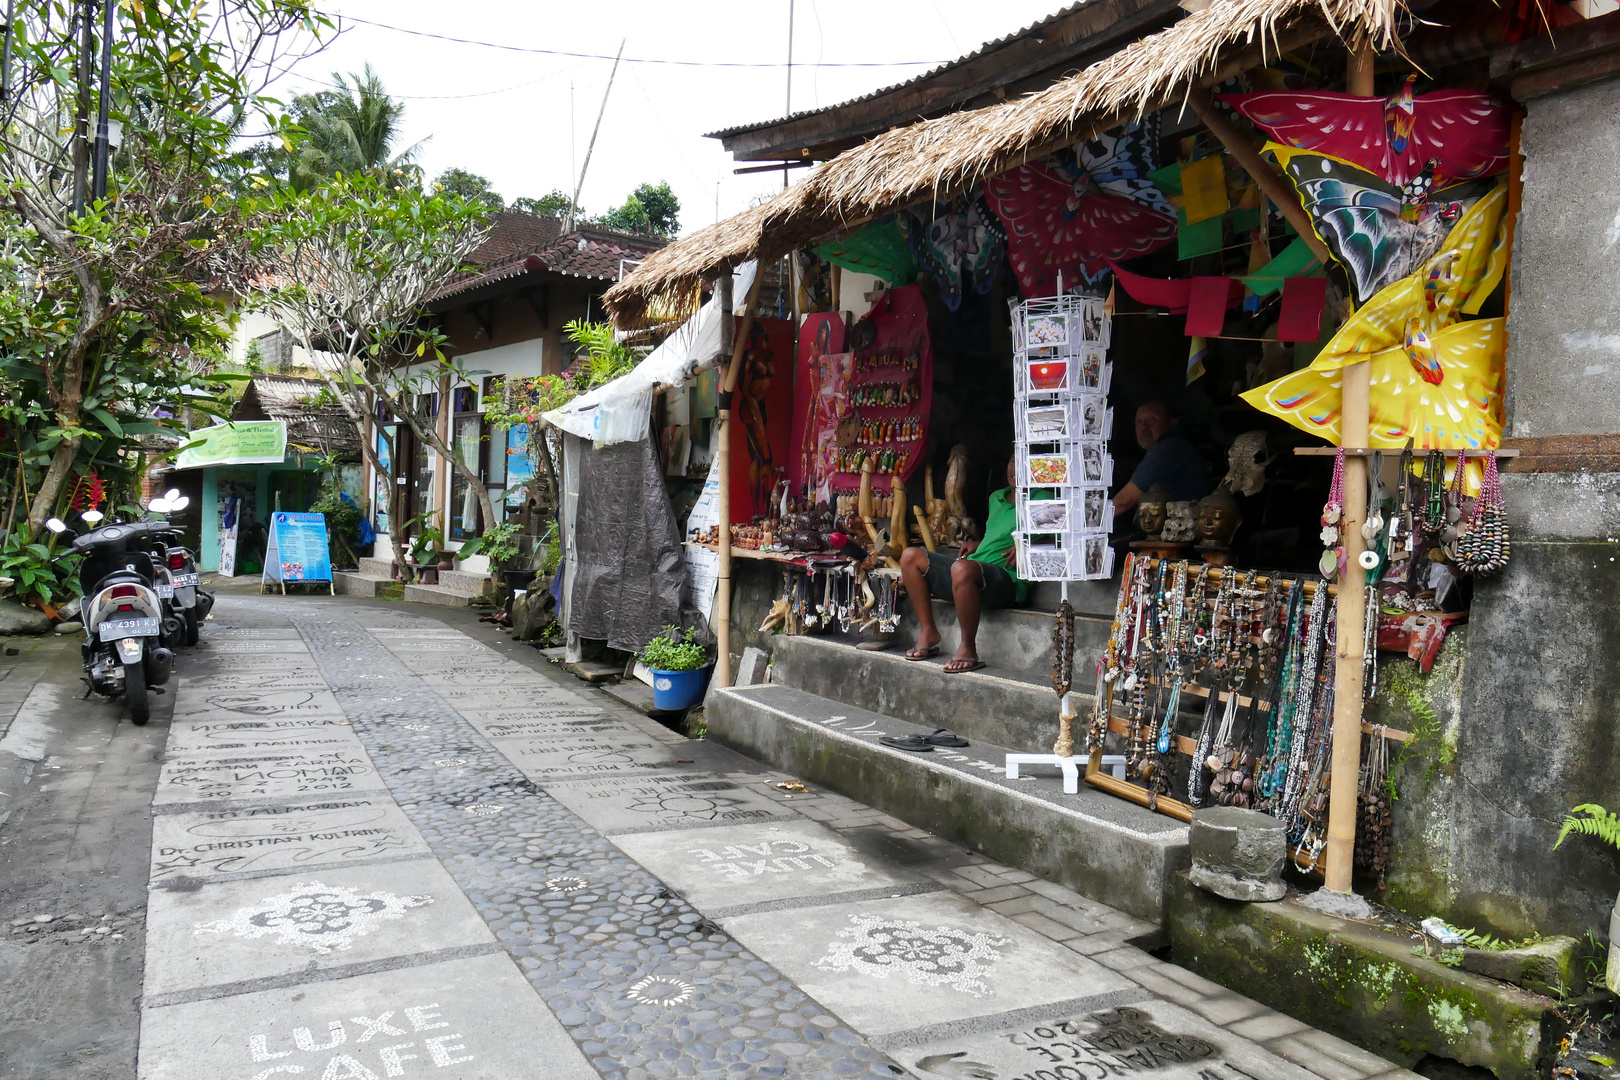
point(385, 841)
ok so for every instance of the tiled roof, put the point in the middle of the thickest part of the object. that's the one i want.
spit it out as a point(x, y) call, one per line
point(286, 397)
point(521, 243)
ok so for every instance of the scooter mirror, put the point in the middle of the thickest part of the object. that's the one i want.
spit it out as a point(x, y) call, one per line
point(180, 504)
point(56, 525)
point(158, 506)
point(171, 495)
point(91, 517)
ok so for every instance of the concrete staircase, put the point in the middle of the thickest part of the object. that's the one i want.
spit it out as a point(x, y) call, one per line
point(828, 704)
point(456, 588)
point(368, 580)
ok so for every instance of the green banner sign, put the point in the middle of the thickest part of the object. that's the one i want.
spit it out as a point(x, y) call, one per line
point(246, 442)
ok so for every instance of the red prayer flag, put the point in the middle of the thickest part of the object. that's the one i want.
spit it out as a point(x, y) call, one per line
point(1303, 299)
point(1206, 305)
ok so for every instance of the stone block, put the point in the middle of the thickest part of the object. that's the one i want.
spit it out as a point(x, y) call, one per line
point(1552, 967)
point(1361, 984)
point(1238, 854)
point(16, 619)
point(751, 672)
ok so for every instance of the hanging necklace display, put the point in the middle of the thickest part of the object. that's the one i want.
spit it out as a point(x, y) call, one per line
point(1452, 532)
point(1332, 519)
point(881, 583)
point(1434, 489)
point(1485, 547)
point(1403, 524)
point(1063, 649)
point(1373, 818)
point(1203, 757)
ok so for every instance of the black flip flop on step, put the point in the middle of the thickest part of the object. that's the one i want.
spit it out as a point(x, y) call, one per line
point(916, 743)
point(945, 737)
point(922, 654)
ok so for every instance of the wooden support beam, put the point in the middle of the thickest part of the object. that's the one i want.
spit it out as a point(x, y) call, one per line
point(728, 386)
point(1354, 423)
point(538, 297)
point(1272, 184)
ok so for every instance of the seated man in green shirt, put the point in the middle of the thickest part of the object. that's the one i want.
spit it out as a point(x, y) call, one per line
point(979, 576)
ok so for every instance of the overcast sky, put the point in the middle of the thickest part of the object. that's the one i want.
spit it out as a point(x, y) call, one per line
point(506, 114)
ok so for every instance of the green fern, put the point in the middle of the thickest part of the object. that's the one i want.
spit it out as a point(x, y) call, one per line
point(1599, 823)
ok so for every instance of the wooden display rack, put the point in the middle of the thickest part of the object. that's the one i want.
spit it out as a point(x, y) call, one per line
point(1098, 776)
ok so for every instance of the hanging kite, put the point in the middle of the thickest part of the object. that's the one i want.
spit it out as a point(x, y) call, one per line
point(965, 240)
point(1433, 378)
point(1455, 135)
point(1077, 210)
point(1379, 232)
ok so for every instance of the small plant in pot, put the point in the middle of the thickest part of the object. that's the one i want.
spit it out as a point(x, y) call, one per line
point(680, 669)
point(425, 557)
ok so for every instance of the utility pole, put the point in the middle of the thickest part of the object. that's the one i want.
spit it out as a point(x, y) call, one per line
point(789, 105)
point(81, 122)
point(569, 226)
point(103, 146)
point(5, 58)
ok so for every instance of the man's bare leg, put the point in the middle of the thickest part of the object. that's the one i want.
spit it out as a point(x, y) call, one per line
point(967, 586)
point(913, 568)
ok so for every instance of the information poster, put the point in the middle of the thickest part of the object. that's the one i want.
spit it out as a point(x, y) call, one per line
point(297, 550)
point(230, 521)
point(702, 564)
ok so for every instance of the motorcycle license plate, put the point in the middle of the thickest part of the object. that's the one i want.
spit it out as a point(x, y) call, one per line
point(123, 628)
point(183, 579)
point(165, 592)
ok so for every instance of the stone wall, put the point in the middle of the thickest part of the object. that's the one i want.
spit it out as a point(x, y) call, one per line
point(1525, 724)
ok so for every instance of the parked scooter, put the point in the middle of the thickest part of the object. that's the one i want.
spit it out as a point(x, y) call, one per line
point(123, 617)
point(192, 602)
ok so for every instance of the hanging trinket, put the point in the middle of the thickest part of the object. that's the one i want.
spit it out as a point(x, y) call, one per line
point(1374, 822)
point(1333, 512)
point(1484, 547)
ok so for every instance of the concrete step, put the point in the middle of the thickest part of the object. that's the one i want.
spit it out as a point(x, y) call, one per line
point(596, 671)
point(350, 583)
point(438, 594)
point(465, 581)
point(1014, 639)
point(1111, 850)
point(383, 568)
point(1006, 707)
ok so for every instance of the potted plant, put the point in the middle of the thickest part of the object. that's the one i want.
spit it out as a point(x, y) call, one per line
point(680, 669)
point(425, 547)
point(500, 545)
point(1605, 826)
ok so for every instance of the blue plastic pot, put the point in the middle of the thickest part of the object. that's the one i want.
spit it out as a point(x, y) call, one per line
point(677, 690)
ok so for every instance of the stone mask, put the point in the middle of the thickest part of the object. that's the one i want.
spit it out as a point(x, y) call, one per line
point(1246, 463)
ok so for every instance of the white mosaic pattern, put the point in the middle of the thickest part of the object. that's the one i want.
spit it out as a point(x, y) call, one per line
point(322, 918)
point(942, 956)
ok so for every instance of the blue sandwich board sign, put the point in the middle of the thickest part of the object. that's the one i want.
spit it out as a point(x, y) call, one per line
point(297, 550)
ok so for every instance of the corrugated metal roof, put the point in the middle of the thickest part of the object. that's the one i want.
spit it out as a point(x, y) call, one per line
point(931, 73)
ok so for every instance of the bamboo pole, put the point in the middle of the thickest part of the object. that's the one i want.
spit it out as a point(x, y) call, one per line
point(1271, 184)
point(1352, 600)
point(722, 599)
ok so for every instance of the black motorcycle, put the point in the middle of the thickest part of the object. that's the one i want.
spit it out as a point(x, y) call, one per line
point(192, 602)
point(123, 651)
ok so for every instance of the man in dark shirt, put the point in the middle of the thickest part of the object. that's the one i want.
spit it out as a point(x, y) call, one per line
point(1171, 460)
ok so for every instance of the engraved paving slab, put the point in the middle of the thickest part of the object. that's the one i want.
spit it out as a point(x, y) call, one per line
point(297, 836)
point(740, 865)
point(468, 1019)
point(907, 962)
point(236, 931)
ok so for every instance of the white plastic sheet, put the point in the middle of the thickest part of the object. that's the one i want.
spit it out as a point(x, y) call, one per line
point(619, 411)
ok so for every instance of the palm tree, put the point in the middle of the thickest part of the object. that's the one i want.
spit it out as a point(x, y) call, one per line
point(349, 129)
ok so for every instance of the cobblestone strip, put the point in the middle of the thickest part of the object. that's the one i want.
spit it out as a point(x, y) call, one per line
point(644, 984)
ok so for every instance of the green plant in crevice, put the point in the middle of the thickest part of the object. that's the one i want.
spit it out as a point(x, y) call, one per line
point(670, 651)
point(1598, 822)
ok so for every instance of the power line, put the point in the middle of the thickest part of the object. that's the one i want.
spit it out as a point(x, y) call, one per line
point(446, 97)
point(629, 59)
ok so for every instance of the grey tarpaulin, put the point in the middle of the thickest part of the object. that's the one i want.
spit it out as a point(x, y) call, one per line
point(628, 562)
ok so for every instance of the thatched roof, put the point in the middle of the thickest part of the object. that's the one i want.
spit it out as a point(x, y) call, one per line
point(938, 157)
